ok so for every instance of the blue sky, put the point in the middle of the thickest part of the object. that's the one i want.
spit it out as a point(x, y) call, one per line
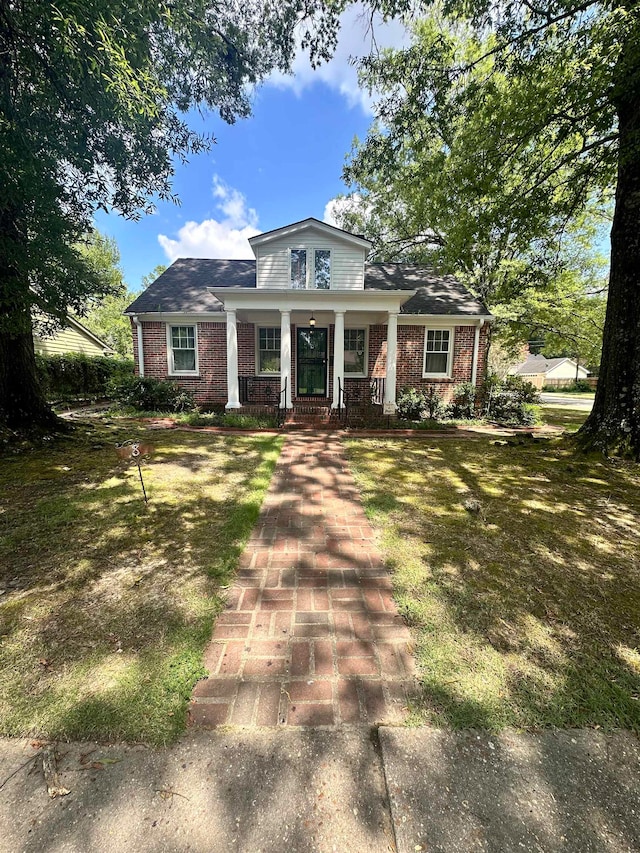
point(282, 164)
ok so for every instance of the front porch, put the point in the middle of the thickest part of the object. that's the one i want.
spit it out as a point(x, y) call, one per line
point(300, 353)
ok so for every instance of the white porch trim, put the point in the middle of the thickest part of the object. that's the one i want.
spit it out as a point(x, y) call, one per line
point(392, 363)
point(285, 357)
point(233, 386)
point(338, 357)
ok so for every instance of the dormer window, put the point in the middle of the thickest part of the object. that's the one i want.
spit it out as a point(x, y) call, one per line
point(299, 269)
point(314, 277)
point(322, 269)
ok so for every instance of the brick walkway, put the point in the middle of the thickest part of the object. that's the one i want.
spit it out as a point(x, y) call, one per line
point(311, 635)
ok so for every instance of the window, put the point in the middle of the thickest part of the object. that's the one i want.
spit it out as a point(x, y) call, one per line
point(182, 349)
point(269, 350)
point(318, 276)
point(322, 269)
point(355, 352)
point(437, 352)
point(298, 268)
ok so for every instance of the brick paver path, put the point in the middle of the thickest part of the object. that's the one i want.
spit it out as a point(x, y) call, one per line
point(311, 635)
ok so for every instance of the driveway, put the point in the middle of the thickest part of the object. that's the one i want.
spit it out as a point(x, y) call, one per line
point(585, 403)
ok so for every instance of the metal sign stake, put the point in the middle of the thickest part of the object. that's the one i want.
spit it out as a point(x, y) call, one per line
point(134, 451)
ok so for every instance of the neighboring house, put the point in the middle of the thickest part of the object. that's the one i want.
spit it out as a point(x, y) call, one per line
point(74, 338)
point(305, 321)
point(541, 371)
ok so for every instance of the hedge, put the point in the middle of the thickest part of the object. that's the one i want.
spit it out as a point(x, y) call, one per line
point(80, 376)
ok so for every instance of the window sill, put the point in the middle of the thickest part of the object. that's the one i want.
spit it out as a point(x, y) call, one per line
point(183, 376)
point(268, 375)
point(436, 376)
point(356, 376)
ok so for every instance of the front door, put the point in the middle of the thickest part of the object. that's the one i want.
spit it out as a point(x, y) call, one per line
point(311, 362)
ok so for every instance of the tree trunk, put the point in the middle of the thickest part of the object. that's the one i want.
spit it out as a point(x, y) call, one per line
point(614, 423)
point(22, 402)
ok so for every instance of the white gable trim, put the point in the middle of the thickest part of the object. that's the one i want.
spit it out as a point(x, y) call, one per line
point(306, 225)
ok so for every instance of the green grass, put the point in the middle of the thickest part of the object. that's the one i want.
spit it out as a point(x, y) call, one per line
point(108, 603)
point(563, 416)
point(232, 420)
point(528, 613)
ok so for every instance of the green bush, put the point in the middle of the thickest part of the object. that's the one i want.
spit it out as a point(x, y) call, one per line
point(411, 404)
point(151, 395)
point(463, 403)
point(75, 375)
point(433, 404)
point(510, 401)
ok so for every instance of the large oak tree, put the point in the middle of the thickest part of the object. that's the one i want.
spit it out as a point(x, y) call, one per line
point(93, 102)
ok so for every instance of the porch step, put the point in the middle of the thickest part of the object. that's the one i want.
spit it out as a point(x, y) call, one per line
point(308, 417)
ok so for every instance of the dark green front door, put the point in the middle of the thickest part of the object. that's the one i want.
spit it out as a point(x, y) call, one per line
point(311, 362)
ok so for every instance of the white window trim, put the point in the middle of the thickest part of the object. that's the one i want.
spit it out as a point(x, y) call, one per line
point(170, 366)
point(257, 357)
point(451, 330)
point(347, 374)
point(311, 266)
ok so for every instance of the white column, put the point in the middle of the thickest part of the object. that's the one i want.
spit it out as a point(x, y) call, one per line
point(338, 358)
point(285, 357)
point(233, 388)
point(392, 358)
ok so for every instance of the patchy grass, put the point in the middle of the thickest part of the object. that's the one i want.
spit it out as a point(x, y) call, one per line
point(232, 420)
point(107, 603)
point(528, 613)
point(563, 416)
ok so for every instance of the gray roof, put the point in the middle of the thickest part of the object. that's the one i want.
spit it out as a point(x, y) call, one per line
point(182, 288)
point(437, 294)
point(538, 364)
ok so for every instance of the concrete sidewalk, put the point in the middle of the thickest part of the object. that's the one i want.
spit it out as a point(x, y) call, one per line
point(353, 791)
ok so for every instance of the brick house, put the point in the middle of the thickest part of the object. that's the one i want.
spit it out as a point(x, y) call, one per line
point(308, 322)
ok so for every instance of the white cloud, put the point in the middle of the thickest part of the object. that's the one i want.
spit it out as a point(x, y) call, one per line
point(335, 208)
point(357, 39)
point(227, 237)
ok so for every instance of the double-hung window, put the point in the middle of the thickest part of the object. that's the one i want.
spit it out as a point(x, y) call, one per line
point(269, 350)
point(437, 352)
point(183, 350)
point(355, 352)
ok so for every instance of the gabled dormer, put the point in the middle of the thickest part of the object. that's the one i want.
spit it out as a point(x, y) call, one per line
point(310, 255)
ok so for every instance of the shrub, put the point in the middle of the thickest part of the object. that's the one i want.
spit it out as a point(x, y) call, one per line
point(463, 404)
point(433, 404)
point(411, 404)
point(77, 375)
point(510, 401)
point(151, 395)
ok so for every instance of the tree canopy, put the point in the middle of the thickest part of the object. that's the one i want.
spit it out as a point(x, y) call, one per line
point(501, 132)
point(94, 99)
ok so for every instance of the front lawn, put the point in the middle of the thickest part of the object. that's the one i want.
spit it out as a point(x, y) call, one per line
point(525, 604)
point(563, 416)
point(106, 604)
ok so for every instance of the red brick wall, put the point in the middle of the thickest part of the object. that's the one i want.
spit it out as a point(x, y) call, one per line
point(210, 387)
point(411, 355)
